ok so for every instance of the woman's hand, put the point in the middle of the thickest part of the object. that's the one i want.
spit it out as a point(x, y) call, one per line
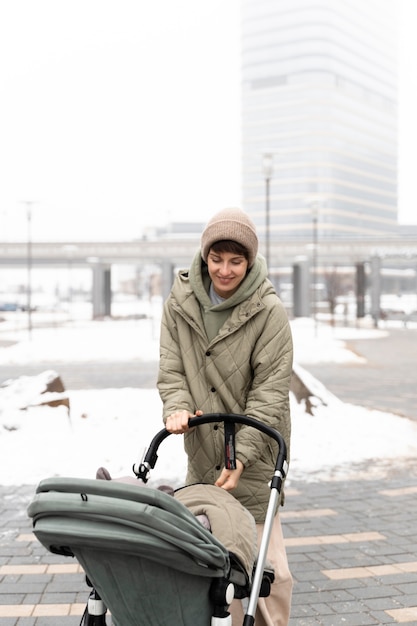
point(229, 479)
point(177, 423)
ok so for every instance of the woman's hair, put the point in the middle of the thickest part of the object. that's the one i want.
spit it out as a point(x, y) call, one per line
point(227, 245)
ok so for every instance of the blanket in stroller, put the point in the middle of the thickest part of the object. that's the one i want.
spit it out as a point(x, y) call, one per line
point(230, 522)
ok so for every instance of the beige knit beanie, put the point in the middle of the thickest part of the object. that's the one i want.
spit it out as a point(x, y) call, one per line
point(233, 225)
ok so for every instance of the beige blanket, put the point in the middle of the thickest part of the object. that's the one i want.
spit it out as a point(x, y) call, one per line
point(230, 522)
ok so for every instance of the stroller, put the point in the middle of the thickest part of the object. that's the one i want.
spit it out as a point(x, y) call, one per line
point(146, 556)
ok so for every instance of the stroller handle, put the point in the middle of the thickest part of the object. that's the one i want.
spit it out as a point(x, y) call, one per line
point(281, 467)
point(229, 420)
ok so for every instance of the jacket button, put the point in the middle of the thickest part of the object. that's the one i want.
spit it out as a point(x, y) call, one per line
point(208, 353)
point(215, 427)
point(213, 389)
point(218, 467)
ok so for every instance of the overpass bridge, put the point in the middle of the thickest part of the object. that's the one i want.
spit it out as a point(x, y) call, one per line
point(170, 252)
point(180, 250)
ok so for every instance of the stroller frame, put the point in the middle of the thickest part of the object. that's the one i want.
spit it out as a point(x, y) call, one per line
point(280, 473)
point(222, 588)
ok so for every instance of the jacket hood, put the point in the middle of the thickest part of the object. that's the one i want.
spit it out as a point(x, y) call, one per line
point(214, 315)
point(200, 283)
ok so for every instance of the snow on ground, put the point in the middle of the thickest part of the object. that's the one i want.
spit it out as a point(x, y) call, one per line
point(112, 427)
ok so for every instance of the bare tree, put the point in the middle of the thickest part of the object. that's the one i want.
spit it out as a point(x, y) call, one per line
point(337, 283)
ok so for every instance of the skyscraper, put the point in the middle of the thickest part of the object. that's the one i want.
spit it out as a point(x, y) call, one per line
point(319, 94)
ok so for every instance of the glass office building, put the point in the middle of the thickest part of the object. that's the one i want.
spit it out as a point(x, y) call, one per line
point(319, 94)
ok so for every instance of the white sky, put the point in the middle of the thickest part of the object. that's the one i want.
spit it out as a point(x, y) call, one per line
point(115, 115)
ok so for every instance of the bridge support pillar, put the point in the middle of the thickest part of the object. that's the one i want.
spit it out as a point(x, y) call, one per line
point(167, 278)
point(375, 284)
point(301, 288)
point(101, 291)
point(360, 290)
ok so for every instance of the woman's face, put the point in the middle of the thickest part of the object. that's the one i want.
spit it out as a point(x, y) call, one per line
point(226, 270)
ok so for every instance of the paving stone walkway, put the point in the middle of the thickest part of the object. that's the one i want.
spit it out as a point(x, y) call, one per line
point(352, 548)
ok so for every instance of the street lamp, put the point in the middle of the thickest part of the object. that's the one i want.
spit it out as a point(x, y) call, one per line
point(69, 250)
point(267, 161)
point(29, 204)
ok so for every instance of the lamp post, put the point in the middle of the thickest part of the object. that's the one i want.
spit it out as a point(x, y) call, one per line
point(69, 250)
point(267, 161)
point(29, 204)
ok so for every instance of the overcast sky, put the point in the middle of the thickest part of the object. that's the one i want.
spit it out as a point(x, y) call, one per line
point(115, 115)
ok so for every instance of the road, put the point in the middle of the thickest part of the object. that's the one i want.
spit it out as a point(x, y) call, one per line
point(386, 381)
point(91, 374)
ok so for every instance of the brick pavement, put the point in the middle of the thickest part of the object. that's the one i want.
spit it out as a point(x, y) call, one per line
point(352, 548)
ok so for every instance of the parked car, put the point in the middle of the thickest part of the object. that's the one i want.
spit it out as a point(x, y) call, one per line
point(9, 306)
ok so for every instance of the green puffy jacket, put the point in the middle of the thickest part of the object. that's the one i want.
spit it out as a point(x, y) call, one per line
point(244, 368)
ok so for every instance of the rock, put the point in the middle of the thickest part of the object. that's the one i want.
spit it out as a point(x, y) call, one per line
point(45, 389)
point(54, 383)
point(301, 391)
point(309, 390)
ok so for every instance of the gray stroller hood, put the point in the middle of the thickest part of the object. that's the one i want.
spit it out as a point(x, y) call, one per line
point(132, 519)
point(148, 557)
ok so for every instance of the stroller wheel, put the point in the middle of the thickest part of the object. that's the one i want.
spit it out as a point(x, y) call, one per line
point(222, 593)
point(95, 611)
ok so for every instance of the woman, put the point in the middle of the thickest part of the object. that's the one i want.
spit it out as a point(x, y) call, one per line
point(226, 347)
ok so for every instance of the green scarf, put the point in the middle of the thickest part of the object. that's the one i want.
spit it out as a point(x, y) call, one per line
point(215, 315)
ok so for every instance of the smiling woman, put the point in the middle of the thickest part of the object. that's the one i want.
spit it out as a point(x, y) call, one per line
point(226, 268)
point(226, 347)
point(229, 246)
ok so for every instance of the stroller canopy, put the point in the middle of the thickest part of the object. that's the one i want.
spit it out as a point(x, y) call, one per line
point(71, 514)
point(145, 553)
